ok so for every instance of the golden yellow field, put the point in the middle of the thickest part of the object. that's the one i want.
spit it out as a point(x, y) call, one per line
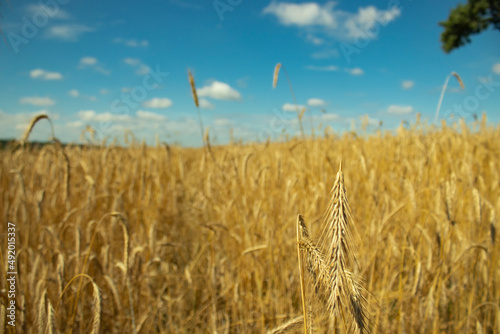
point(173, 240)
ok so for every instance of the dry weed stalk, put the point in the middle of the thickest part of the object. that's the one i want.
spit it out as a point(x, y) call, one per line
point(328, 263)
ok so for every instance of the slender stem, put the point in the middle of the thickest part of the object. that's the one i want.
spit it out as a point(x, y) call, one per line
point(295, 102)
point(301, 269)
point(201, 125)
point(441, 97)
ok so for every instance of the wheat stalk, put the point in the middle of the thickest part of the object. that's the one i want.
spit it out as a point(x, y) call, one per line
point(275, 82)
point(195, 99)
point(328, 262)
point(460, 82)
point(276, 73)
point(30, 127)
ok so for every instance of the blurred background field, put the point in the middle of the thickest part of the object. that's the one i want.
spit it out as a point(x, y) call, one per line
point(180, 240)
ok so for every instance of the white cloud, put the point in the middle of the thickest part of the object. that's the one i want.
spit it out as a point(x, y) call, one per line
point(329, 68)
point(141, 69)
point(223, 121)
point(132, 61)
point(88, 61)
point(395, 109)
point(67, 32)
point(330, 117)
point(340, 24)
point(37, 101)
point(45, 75)
point(314, 40)
point(496, 68)
point(75, 124)
point(362, 23)
point(74, 93)
point(407, 84)
point(291, 107)
point(86, 115)
point(204, 103)
point(94, 64)
point(314, 102)
point(305, 14)
point(104, 91)
point(355, 71)
point(92, 116)
point(131, 42)
point(157, 103)
point(219, 91)
point(148, 115)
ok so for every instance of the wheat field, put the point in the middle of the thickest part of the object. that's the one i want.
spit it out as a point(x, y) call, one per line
point(164, 239)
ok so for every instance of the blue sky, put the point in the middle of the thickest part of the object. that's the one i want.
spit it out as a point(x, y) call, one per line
point(118, 65)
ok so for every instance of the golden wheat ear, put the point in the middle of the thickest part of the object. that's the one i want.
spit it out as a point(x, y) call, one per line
point(30, 127)
point(345, 291)
point(276, 73)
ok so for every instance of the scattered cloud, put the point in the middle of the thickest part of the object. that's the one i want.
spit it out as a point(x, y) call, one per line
point(407, 84)
point(75, 124)
point(315, 102)
point(291, 107)
point(305, 14)
point(74, 93)
point(37, 101)
point(205, 104)
point(140, 68)
point(223, 122)
point(67, 32)
point(93, 63)
point(92, 116)
point(362, 23)
point(219, 91)
point(85, 61)
point(131, 42)
point(330, 68)
point(341, 25)
point(400, 110)
point(157, 102)
point(132, 61)
point(45, 75)
point(314, 40)
point(104, 91)
point(330, 117)
point(496, 68)
point(355, 71)
point(148, 115)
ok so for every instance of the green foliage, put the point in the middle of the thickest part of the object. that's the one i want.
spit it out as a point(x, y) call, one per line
point(469, 19)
